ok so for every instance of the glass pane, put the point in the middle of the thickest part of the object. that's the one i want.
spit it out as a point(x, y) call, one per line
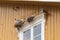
point(27, 35)
point(38, 38)
point(37, 30)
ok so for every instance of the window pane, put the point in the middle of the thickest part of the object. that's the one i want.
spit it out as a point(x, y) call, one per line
point(37, 38)
point(37, 30)
point(27, 35)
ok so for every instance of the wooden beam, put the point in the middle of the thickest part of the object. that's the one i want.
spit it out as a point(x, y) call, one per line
point(31, 2)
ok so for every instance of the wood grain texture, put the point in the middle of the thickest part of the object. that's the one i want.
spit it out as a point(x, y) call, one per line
point(8, 15)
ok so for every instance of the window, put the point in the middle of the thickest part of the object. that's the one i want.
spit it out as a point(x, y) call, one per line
point(33, 31)
point(27, 35)
point(37, 32)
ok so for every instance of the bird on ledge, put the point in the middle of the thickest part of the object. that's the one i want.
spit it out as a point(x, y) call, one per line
point(43, 10)
point(19, 23)
point(30, 19)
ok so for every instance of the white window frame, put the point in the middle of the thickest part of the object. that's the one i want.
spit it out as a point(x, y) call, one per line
point(31, 25)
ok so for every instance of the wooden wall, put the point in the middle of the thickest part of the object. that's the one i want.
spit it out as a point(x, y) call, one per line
point(8, 15)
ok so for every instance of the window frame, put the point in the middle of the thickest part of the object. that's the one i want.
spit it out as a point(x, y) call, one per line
point(31, 25)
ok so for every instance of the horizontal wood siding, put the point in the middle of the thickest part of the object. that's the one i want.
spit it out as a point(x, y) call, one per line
point(8, 15)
